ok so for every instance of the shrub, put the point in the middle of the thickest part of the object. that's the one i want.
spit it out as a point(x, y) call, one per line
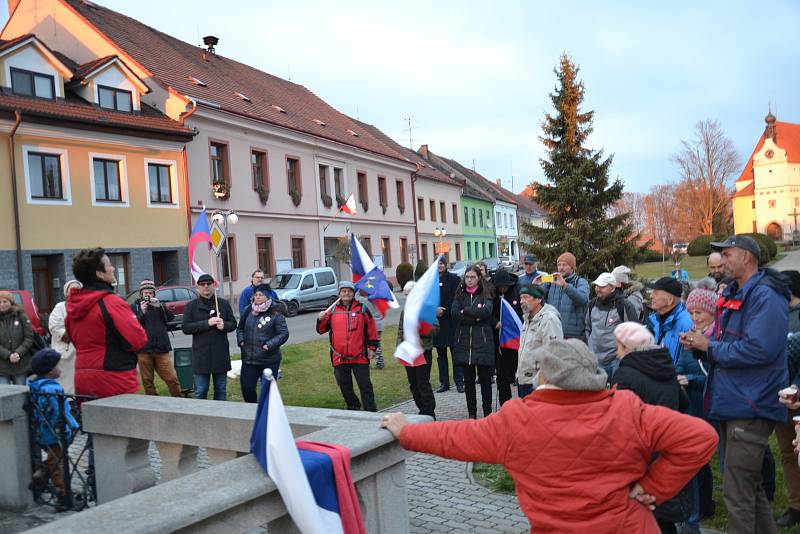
point(420, 269)
point(404, 273)
point(648, 256)
point(701, 245)
point(768, 247)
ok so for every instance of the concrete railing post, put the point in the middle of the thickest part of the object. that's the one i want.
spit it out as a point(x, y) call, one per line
point(16, 449)
point(122, 467)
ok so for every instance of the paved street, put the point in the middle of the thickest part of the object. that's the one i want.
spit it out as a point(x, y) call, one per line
point(301, 327)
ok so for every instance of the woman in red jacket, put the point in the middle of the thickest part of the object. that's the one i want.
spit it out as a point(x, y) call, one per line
point(580, 454)
point(105, 332)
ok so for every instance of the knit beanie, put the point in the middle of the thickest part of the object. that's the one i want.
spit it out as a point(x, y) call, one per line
point(569, 259)
point(68, 284)
point(702, 299)
point(633, 335)
point(621, 274)
point(146, 284)
point(7, 295)
point(570, 365)
point(44, 361)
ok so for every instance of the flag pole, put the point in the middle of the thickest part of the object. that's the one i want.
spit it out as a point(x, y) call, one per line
point(214, 276)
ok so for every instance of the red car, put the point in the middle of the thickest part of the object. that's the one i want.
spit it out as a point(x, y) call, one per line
point(175, 298)
point(25, 299)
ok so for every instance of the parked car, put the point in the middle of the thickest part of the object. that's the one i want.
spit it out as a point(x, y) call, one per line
point(305, 289)
point(492, 264)
point(25, 300)
point(458, 268)
point(680, 248)
point(509, 263)
point(175, 298)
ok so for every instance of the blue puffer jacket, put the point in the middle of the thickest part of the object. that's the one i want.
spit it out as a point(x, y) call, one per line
point(571, 302)
point(668, 334)
point(48, 412)
point(255, 331)
point(748, 350)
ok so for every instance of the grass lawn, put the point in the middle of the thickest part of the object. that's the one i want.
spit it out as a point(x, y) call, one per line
point(308, 376)
point(496, 478)
point(694, 265)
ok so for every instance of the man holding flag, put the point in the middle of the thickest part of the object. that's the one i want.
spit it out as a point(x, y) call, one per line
point(507, 312)
point(354, 339)
point(420, 336)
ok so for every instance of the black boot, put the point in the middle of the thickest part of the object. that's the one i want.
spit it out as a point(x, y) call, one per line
point(789, 519)
point(442, 389)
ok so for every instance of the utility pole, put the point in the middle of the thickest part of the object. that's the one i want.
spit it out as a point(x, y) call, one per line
point(410, 130)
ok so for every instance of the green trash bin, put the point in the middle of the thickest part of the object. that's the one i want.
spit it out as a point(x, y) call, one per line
point(183, 368)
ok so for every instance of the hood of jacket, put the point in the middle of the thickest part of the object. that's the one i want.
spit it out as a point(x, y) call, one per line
point(654, 363)
point(635, 287)
point(504, 278)
point(610, 301)
point(547, 310)
point(82, 301)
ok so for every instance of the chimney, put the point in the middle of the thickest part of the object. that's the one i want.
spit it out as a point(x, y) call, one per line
point(12, 5)
point(423, 151)
point(210, 41)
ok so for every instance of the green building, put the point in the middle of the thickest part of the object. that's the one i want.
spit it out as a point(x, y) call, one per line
point(479, 239)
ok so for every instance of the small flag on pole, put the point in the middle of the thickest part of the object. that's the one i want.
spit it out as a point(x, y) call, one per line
point(510, 326)
point(380, 294)
point(349, 206)
point(419, 317)
point(200, 234)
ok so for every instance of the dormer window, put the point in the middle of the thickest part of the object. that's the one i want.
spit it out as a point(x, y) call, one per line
point(28, 83)
point(115, 99)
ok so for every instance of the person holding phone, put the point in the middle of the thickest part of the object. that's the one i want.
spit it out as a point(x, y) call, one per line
point(155, 356)
point(568, 293)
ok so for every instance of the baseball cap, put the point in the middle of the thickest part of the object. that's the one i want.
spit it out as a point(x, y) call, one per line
point(530, 258)
point(605, 279)
point(205, 278)
point(668, 284)
point(739, 241)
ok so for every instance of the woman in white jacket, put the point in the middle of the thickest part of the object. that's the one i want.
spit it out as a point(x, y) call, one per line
point(61, 342)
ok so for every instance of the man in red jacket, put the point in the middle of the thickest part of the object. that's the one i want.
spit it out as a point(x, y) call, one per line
point(105, 332)
point(354, 339)
point(580, 455)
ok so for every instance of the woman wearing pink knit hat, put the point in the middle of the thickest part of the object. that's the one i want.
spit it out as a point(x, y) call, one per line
point(702, 306)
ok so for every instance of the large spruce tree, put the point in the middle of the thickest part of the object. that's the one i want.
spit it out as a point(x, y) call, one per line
point(578, 196)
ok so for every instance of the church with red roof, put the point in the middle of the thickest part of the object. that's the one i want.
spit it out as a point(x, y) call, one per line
point(767, 198)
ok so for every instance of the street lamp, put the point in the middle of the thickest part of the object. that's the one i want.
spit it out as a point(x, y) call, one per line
point(224, 217)
point(440, 233)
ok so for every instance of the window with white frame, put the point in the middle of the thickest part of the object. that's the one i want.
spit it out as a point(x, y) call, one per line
point(162, 183)
point(46, 175)
point(108, 180)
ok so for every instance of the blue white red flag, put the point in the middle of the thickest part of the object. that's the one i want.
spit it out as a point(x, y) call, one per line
point(510, 326)
point(362, 265)
point(314, 481)
point(419, 317)
point(200, 234)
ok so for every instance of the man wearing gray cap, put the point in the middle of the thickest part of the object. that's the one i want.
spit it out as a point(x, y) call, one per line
point(531, 266)
point(747, 353)
point(613, 488)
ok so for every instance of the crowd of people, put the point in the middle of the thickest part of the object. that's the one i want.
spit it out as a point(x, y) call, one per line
point(628, 397)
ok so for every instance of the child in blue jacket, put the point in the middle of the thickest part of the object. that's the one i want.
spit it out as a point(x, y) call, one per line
point(44, 387)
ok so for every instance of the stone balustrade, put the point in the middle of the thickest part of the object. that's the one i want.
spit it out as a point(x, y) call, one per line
point(234, 494)
point(15, 449)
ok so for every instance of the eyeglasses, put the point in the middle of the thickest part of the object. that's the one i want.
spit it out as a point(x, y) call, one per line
point(470, 277)
point(205, 284)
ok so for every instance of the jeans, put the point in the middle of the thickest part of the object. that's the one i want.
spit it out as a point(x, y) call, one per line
point(250, 376)
point(419, 382)
point(15, 380)
point(484, 373)
point(344, 378)
point(506, 372)
point(161, 364)
point(744, 443)
point(610, 368)
point(444, 368)
point(201, 384)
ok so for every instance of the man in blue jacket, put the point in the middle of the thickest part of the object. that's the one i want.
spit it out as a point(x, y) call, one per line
point(569, 294)
point(747, 354)
point(669, 318)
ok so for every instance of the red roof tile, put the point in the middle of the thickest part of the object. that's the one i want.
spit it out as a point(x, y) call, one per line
point(747, 191)
point(15, 41)
point(87, 68)
point(78, 110)
point(173, 62)
point(787, 136)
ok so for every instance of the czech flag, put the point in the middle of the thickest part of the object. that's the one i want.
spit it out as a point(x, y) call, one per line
point(349, 207)
point(510, 326)
point(201, 233)
point(362, 265)
point(314, 481)
point(419, 317)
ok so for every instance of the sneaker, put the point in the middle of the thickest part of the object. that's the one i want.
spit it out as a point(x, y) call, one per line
point(790, 518)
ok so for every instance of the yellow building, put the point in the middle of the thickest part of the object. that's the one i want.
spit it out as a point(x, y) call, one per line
point(767, 198)
point(84, 163)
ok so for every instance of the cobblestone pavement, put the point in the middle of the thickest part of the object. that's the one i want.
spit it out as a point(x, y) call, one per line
point(443, 497)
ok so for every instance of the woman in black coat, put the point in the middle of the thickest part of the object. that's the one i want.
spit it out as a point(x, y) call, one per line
point(474, 347)
point(261, 332)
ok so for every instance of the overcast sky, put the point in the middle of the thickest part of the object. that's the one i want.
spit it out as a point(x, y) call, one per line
point(475, 78)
